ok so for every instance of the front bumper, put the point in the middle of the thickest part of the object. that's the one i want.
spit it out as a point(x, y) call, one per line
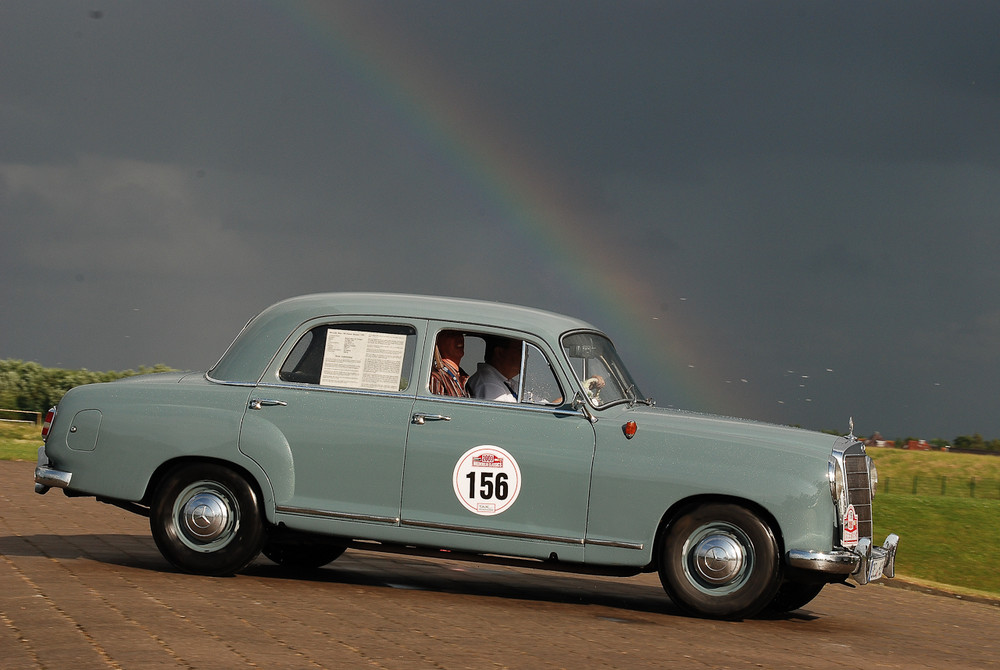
point(46, 477)
point(865, 563)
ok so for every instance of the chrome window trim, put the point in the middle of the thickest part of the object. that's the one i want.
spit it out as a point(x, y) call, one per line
point(291, 386)
point(212, 379)
point(495, 404)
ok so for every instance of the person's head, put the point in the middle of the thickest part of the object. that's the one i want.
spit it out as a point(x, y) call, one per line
point(504, 354)
point(451, 345)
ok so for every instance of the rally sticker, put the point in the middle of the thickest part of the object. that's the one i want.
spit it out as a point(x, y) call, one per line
point(487, 480)
point(850, 527)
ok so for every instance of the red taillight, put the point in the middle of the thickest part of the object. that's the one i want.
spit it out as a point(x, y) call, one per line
point(47, 426)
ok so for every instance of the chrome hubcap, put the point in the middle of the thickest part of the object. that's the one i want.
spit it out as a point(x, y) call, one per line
point(206, 516)
point(718, 558)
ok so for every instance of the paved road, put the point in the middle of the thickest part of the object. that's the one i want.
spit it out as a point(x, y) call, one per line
point(82, 586)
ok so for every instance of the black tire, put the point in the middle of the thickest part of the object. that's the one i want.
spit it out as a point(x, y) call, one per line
point(720, 561)
point(300, 556)
point(206, 519)
point(794, 595)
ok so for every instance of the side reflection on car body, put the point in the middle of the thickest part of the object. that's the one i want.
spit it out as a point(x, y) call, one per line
point(317, 431)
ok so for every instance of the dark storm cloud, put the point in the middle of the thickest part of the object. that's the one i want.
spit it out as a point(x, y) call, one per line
point(812, 188)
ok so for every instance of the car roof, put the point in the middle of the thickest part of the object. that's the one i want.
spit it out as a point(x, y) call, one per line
point(264, 334)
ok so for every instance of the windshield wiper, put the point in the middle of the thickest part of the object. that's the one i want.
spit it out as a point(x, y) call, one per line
point(633, 398)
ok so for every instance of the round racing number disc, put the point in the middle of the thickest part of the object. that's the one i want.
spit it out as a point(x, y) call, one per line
point(487, 480)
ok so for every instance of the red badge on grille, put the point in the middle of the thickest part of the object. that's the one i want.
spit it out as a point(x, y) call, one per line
point(850, 527)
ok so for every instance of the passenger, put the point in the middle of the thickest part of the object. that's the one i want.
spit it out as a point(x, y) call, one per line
point(447, 376)
point(493, 379)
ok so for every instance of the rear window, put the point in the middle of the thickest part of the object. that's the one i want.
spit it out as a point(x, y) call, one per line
point(373, 357)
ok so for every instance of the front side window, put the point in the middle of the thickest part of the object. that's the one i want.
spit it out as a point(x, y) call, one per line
point(540, 386)
point(500, 369)
point(373, 357)
point(601, 373)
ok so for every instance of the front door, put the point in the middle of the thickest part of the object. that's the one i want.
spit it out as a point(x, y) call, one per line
point(500, 477)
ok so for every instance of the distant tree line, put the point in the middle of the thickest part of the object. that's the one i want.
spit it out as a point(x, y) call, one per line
point(974, 442)
point(30, 387)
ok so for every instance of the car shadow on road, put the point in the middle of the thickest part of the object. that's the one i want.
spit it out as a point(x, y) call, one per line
point(136, 551)
point(626, 595)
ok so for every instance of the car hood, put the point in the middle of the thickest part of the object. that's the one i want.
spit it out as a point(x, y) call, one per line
point(739, 432)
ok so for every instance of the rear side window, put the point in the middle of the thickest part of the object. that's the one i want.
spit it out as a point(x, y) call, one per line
point(372, 357)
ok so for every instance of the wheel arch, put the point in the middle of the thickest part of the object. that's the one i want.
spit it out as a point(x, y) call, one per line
point(684, 505)
point(258, 480)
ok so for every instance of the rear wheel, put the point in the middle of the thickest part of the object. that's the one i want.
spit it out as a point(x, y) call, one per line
point(721, 561)
point(205, 519)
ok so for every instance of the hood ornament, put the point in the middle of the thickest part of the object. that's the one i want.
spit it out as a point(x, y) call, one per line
point(850, 429)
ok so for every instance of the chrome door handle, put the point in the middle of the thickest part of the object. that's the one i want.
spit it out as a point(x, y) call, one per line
point(257, 403)
point(420, 419)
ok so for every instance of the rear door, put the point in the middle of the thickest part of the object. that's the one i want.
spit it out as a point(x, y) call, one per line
point(331, 422)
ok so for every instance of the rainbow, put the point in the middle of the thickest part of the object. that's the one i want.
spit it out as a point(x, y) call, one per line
point(534, 201)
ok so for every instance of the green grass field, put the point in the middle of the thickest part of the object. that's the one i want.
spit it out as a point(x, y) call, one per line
point(953, 541)
point(19, 441)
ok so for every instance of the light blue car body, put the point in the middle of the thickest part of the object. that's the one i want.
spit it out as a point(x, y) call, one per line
point(364, 465)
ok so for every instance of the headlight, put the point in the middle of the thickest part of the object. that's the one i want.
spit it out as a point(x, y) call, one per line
point(872, 476)
point(838, 487)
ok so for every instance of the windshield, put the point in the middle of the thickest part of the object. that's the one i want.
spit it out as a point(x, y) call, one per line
point(601, 373)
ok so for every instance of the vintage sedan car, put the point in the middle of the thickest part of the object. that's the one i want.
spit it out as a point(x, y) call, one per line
point(318, 431)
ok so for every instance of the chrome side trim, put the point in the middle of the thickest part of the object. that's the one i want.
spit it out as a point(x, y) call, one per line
point(345, 516)
point(612, 543)
point(489, 531)
point(412, 523)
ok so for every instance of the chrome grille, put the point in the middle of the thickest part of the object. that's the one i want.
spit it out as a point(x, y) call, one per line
point(859, 491)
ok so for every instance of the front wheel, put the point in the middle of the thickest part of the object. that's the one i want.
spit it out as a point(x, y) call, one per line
point(721, 561)
point(205, 519)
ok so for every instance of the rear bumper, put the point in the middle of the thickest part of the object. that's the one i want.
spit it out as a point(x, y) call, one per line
point(46, 476)
point(865, 563)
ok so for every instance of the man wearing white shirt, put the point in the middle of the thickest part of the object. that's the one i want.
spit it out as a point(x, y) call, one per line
point(492, 380)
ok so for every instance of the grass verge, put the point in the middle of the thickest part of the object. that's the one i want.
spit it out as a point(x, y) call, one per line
point(944, 540)
point(19, 441)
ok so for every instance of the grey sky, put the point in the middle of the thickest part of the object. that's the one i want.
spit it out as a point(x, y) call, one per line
point(785, 211)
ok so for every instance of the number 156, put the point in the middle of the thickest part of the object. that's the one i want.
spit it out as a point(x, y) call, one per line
point(490, 486)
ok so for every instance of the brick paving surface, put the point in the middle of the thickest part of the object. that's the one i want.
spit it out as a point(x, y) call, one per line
point(82, 586)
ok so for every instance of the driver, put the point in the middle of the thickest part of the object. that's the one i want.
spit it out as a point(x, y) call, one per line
point(493, 380)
